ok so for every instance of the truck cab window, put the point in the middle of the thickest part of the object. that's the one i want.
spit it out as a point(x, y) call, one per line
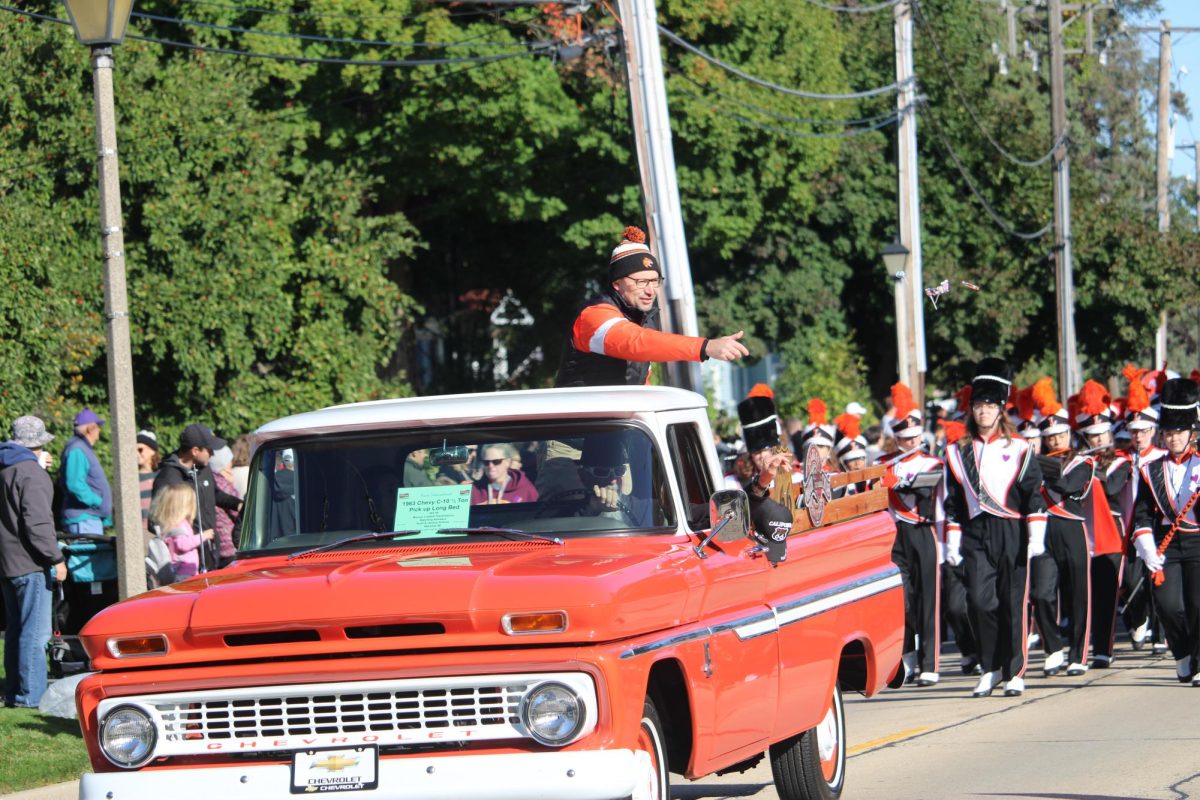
point(692, 472)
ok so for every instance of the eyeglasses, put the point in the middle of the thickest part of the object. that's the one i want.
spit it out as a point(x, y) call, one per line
point(643, 283)
point(605, 473)
point(494, 462)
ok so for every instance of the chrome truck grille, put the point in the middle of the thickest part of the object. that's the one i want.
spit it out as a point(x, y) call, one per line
point(426, 711)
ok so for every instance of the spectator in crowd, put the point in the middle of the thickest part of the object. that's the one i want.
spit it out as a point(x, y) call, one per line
point(225, 519)
point(189, 465)
point(86, 494)
point(240, 468)
point(148, 458)
point(29, 557)
point(501, 483)
point(414, 469)
point(172, 511)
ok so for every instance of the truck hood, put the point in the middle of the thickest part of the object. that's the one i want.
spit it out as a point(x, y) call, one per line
point(404, 598)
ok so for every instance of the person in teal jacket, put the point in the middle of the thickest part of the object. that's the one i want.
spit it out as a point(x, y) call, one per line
point(86, 494)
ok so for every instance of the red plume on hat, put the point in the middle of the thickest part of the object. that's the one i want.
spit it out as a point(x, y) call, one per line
point(963, 398)
point(818, 414)
point(1094, 400)
point(1138, 399)
point(1024, 403)
point(1043, 397)
point(954, 429)
point(902, 401)
point(850, 425)
point(1195, 376)
point(761, 390)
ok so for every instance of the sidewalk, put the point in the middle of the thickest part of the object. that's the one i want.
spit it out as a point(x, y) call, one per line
point(56, 791)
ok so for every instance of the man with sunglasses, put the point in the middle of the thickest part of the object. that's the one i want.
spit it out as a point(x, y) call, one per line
point(617, 335)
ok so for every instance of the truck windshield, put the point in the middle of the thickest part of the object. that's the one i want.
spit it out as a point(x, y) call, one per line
point(450, 485)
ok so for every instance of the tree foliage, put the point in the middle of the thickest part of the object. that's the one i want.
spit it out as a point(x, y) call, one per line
point(306, 233)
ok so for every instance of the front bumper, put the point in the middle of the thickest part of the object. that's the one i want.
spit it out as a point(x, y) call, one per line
point(574, 775)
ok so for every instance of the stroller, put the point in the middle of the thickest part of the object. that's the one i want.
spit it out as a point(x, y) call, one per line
point(90, 586)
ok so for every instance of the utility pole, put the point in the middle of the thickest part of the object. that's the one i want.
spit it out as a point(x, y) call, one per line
point(1162, 184)
point(656, 160)
point(910, 326)
point(1068, 368)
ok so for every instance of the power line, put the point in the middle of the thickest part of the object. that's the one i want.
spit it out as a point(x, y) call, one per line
point(783, 117)
point(534, 49)
point(1037, 162)
point(793, 133)
point(854, 9)
point(1004, 224)
point(686, 45)
point(309, 37)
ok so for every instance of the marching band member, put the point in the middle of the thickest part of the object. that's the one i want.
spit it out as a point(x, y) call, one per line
point(760, 432)
point(1166, 528)
point(1064, 568)
point(1105, 527)
point(1028, 418)
point(956, 609)
point(917, 510)
point(992, 481)
point(1141, 420)
point(851, 449)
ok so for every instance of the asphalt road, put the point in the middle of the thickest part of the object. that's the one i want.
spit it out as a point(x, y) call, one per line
point(1131, 731)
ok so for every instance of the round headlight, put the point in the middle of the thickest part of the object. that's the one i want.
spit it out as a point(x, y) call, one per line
point(128, 736)
point(552, 712)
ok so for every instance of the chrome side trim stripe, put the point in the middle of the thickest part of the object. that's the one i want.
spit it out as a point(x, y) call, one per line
point(793, 611)
point(820, 602)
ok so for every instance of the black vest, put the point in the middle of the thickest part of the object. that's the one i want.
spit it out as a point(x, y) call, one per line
point(583, 368)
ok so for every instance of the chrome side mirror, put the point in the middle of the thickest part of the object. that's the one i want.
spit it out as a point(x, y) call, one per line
point(729, 516)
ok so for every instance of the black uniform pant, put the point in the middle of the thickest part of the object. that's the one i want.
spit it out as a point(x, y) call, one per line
point(1139, 594)
point(1060, 580)
point(956, 609)
point(915, 554)
point(1106, 584)
point(1178, 599)
point(994, 554)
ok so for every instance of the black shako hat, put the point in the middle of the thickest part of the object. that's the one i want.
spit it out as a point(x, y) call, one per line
point(760, 423)
point(1178, 411)
point(992, 382)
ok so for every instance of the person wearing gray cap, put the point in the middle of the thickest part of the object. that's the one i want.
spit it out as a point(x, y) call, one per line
point(29, 559)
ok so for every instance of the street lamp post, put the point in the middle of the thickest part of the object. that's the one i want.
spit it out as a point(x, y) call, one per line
point(100, 24)
point(895, 260)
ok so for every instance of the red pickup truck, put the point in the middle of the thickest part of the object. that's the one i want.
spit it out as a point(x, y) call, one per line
point(542, 594)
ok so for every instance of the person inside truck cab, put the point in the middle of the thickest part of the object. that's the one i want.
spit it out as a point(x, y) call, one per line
point(501, 482)
point(616, 335)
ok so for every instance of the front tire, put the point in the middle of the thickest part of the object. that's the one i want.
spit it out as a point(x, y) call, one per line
point(812, 765)
point(652, 742)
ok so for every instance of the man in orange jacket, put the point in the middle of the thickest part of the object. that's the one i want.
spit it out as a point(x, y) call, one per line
point(617, 335)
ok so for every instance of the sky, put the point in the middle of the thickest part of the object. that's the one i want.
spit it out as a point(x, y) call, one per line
point(1185, 52)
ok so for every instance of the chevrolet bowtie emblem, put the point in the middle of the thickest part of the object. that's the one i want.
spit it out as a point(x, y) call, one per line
point(335, 763)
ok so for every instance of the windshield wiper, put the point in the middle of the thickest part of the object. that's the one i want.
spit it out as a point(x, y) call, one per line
point(358, 537)
point(512, 533)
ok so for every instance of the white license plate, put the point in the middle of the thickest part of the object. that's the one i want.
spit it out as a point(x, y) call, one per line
point(344, 769)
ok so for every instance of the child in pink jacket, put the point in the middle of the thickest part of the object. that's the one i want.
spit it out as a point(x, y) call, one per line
point(172, 511)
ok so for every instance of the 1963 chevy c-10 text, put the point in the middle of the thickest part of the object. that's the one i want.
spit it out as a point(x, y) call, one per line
point(506, 595)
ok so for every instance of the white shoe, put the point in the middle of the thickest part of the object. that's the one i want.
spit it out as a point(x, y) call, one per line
point(1159, 648)
point(1101, 662)
point(1014, 687)
point(1196, 681)
point(1033, 641)
point(1076, 669)
point(1183, 669)
point(1140, 634)
point(987, 683)
point(911, 666)
point(927, 679)
point(1053, 664)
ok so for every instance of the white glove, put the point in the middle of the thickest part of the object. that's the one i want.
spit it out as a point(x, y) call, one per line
point(1147, 551)
point(1037, 537)
point(954, 547)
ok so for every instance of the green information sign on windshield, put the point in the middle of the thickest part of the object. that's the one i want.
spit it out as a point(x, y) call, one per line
point(428, 509)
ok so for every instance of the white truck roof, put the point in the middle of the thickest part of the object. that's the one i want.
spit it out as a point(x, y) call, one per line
point(607, 402)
